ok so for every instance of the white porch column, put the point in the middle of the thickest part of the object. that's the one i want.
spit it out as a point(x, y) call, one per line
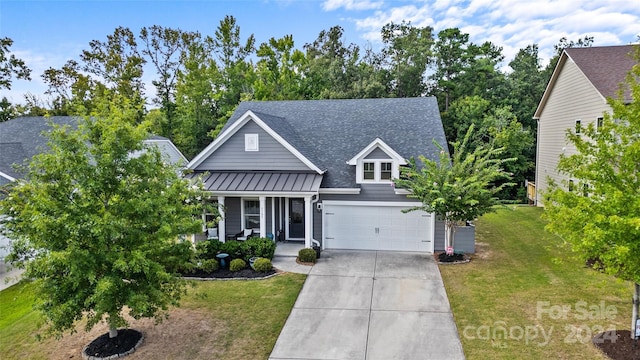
point(308, 225)
point(222, 234)
point(273, 218)
point(263, 216)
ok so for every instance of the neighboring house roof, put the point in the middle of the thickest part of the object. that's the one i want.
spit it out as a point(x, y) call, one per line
point(331, 132)
point(21, 139)
point(605, 67)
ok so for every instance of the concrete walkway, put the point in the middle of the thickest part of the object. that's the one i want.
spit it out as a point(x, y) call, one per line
point(371, 305)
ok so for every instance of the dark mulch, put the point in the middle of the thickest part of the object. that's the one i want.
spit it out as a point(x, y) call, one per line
point(456, 257)
point(104, 346)
point(227, 274)
point(618, 345)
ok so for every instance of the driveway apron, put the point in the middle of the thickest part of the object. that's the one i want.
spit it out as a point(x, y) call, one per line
point(373, 305)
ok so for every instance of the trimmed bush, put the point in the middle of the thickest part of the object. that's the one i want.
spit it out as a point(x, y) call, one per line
point(208, 249)
point(233, 248)
point(258, 247)
point(262, 265)
point(237, 265)
point(209, 265)
point(307, 255)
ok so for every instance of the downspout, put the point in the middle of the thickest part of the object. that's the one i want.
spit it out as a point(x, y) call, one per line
point(313, 202)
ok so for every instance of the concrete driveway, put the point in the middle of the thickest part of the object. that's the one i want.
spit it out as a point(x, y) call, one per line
point(371, 305)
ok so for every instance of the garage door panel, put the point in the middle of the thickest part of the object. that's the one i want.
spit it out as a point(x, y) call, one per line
point(355, 226)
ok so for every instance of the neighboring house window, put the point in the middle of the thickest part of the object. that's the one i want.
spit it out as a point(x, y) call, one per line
point(571, 186)
point(250, 142)
point(251, 211)
point(585, 190)
point(578, 126)
point(599, 123)
point(385, 171)
point(369, 171)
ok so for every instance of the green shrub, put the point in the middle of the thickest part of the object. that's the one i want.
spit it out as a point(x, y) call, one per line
point(307, 255)
point(178, 257)
point(209, 265)
point(233, 248)
point(262, 265)
point(208, 249)
point(237, 265)
point(258, 247)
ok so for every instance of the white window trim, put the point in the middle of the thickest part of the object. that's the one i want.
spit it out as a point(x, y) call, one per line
point(243, 222)
point(251, 142)
point(395, 171)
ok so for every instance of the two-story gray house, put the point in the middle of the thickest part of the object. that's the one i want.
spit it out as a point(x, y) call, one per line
point(321, 172)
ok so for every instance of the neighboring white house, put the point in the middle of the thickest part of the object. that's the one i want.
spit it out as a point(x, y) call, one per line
point(576, 96)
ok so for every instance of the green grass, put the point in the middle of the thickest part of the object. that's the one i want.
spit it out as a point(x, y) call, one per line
point(217, 319)
point(518, 275)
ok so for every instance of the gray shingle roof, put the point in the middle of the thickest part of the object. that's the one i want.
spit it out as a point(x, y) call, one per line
point(21, 139)
point(605, 66)
point(330, 132)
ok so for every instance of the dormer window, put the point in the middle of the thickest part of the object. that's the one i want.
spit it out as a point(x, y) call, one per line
point(369, 171)
point(377, 163)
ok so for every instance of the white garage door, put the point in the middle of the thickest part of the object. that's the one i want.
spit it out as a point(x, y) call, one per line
point(376, 226)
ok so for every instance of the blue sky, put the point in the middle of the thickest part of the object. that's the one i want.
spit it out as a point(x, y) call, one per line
point(48, 33)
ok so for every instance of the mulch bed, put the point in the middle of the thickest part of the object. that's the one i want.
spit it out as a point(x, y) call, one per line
point(227, 274)
point(618, 346)
point(103, 347)
point(456, 258)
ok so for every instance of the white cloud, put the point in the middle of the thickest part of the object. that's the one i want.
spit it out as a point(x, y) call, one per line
point(514, 24)
point(330, 5)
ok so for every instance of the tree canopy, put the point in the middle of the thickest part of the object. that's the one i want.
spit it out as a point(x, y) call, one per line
point(96, 218)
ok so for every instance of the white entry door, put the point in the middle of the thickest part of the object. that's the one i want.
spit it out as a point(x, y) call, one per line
point(376, 226)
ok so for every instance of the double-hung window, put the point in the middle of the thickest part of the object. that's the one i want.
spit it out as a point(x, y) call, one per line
point(377, 171)
point(251, 213)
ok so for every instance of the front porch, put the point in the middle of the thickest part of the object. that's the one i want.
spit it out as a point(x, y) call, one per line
point(289, 248)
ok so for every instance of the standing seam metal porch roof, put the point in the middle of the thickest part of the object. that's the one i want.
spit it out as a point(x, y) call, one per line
point(257, 181)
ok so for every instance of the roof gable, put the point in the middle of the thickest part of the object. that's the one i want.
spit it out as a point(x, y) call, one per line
point(377, 144)
point(234, 128)
point(604, 67)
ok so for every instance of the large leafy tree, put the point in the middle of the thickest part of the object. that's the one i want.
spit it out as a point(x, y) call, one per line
point(100, 213)
point(408, 51)
point(279, 70)
point(597, 212)
point(456, 189)
point(10, 67)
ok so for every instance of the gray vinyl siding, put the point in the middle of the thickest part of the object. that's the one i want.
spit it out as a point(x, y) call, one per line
point(438, 244)
point(232, 215)
point(377, 154)
point(271, 155)
point(572, 98)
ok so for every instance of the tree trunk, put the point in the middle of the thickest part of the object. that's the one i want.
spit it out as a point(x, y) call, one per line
point(449, 234)
point(634, 313)
point(113, 332)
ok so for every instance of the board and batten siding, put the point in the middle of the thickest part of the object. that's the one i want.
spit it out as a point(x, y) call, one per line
point(572, 98)
point(271, 155)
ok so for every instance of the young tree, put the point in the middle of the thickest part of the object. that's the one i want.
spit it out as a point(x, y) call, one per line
point(100, 212)
point(598, 213)
point(456, 189)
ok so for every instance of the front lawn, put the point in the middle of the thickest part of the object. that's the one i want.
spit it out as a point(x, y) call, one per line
point(218, 319)
point(523, 297)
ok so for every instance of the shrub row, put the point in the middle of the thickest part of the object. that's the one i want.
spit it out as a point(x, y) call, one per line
point(245, 250)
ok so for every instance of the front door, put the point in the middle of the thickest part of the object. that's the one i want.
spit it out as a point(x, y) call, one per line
point(296, 218)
